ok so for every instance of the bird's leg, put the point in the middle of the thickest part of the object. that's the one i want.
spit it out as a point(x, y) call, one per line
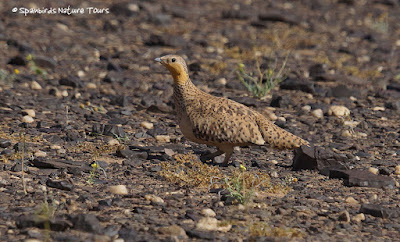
point(228, 154)
point(211, 156)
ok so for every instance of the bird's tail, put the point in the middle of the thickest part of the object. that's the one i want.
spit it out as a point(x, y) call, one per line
point(277, 137)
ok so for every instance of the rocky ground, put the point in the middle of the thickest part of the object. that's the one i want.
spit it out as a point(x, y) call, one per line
point(87, 114)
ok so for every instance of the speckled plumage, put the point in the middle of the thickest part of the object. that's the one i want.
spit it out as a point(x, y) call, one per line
point(218, 121)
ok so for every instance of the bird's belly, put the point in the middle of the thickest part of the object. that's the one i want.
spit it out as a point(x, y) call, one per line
point(187, 130)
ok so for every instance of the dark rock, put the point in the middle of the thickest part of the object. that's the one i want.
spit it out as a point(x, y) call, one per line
point(384, 171)
point(45, 62)
point(277, 16)
point(87, 222)
point(73, 136)
point(111, 230)
point(157, 131)
point(281, 101)
point(127, 233)
point(298, 84)
point(113, 77)
point(342, 91)
point(62, 185)
point(4, 143)
point(393, 86)
point(377, 210)
point(248, 101)
point(121, 101)
point(106, 202)
point(130, 154)
point(56, 224)
point(122, 9)
point(42, 162)
point(21, 147)
point(317, 158)
point(97, 129)
point(18, 61)
point(160, 19)
point(362, 178)
point(394, 105)
point(165, 40)
point(197, 234)
point(22, 47)
point(317, 70)
point(114, 130)
point(17, 167)
point(236, 14)
point(111, 66)
point(70, 81)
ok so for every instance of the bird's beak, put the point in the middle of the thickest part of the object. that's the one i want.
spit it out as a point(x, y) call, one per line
point(158, 59)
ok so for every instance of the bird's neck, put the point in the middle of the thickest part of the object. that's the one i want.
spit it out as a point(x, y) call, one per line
point(180, 78)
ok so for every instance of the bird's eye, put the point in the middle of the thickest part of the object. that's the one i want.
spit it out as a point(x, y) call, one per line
point(173, 59)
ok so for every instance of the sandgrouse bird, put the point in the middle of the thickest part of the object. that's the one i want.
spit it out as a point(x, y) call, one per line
point(219, 121)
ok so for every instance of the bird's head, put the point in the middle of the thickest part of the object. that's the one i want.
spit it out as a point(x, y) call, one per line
point(176, 66)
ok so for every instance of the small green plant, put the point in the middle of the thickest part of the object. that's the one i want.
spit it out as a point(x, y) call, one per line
point(265, 81)
point(44, 213)
point(242, 184)
point(381, 24)
point(265, 230)
point(34, 68)
point(93, 173)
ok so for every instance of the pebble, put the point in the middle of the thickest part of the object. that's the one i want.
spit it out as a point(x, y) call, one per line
point(147, 125)
point(359, 217)
point(91, 85)
point(35, 85)
point(113, 142)
point(154, 199)
point(351, 200)
point(272, 117)
point(27, 119)
point(163, 138)
point(221, 82)
point(173, 230)
point(40, 153)
point(274, 174)
point(64, 93)
point(241, 207)
point(338, 111)
point(318, 113)
point(344, 216)
point(282, 119)
point(212, 224)
point(378, 109)
point(118, 189)
point(346, 133)
point(29, 112)
point(397, 170)
point(306, 108)
point(208, 212)
point(55, 147)
point(373, 170)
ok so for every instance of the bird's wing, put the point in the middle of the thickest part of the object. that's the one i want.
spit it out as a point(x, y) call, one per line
point(222, 120)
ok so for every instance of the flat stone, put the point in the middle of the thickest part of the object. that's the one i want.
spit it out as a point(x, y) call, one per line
point(56, 224)
point(27, 119)
point(5, 143)
point(362, 178)
point(358, 218)
point(155, 200)
point(338, 111)
point(377, 210)
point(62, 185)
point(173, 231)
point(118, 189)
point(298, 84)
point(208, 212)
point(88, 223)
point(35, 85)
point(317, 158)
point(212, 224)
